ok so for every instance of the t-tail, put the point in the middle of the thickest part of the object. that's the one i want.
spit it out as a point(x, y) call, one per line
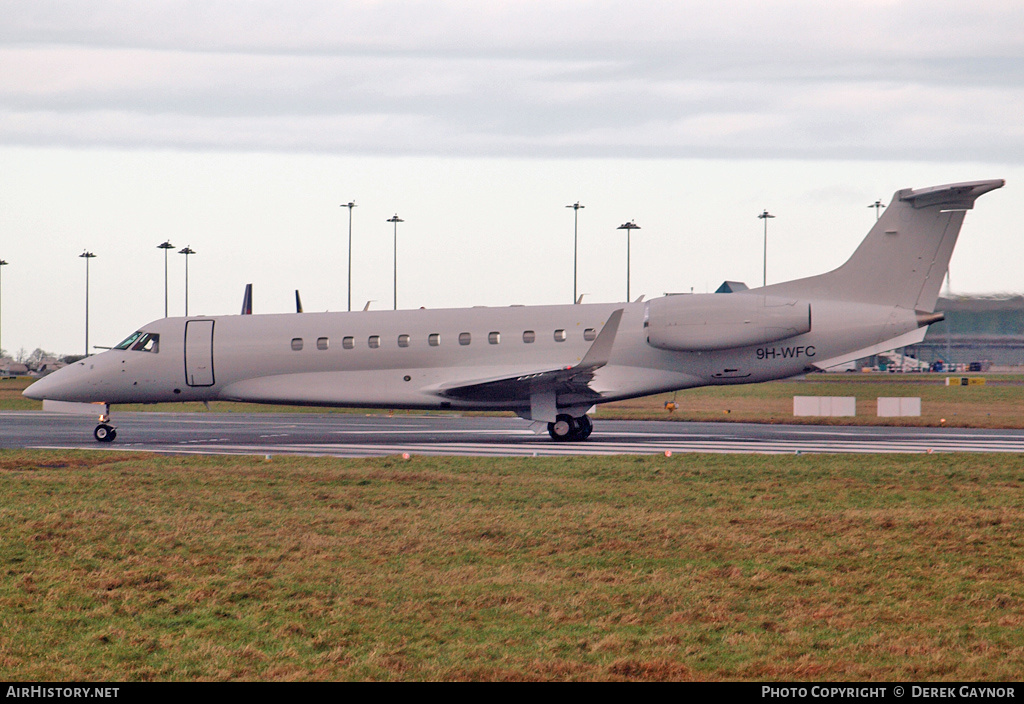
point(905, 256)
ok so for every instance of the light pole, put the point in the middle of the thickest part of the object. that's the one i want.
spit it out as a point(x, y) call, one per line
point(628, 227)
point(575, 240)
point(395, 219)
point(186, 251)
point(165, 246)
point(87, 255)
point(2, 265)
point(351, 204)
point(765, 216)
point(877, 205)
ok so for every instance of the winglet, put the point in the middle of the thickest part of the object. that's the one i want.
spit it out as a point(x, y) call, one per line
point(298, 302)
point(247, 300)
point(601, 351)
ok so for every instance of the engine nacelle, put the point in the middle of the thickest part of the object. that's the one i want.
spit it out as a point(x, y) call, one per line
point(721, 321)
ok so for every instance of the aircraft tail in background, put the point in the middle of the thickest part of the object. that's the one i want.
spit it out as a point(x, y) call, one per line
point(247, 300)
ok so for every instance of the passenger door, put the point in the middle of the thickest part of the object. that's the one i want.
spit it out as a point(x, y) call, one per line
point(199, 353)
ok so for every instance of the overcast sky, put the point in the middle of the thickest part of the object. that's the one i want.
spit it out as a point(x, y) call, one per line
point(240, 127)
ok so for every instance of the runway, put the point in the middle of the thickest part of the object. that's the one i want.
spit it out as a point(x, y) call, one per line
point(350, 435)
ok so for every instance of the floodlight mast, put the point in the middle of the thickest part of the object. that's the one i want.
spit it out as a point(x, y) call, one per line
point(3, 263)
point(186, 251)
point(351, 204)
point(87, 255)
point(395, 219)
point(628, 227)
point(765, 216)
point(576, 207)
point(165, 245)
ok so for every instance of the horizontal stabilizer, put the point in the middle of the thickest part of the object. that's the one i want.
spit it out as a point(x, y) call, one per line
point(953, 196)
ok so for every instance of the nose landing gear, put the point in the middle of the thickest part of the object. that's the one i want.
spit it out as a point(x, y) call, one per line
point(105, 432)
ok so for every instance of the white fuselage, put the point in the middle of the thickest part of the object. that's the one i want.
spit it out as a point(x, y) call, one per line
point(413, 358)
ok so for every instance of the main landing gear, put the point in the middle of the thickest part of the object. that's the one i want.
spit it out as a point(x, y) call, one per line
point(569, 429)
point(104, 432)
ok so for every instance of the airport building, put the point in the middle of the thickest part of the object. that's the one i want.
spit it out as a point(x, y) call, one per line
point(987, 331)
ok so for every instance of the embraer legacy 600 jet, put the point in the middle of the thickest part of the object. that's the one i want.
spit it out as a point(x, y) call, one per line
point(548, 364)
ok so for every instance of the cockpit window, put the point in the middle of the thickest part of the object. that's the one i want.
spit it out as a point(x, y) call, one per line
point(130, 341)
point(149, 342)
point(141, 342)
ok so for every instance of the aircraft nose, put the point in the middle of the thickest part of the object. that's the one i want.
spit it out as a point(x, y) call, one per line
point(37, 389)
point(61, 385)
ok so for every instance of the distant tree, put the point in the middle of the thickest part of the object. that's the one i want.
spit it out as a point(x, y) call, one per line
point(22, 356)
point(71, 358)
point(37, 356)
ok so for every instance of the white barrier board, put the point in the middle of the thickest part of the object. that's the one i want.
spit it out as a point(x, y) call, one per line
point(890, 407)
point(824, 406)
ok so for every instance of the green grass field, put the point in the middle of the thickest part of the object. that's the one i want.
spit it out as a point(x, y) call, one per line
point(121, 566)
point(997, 404)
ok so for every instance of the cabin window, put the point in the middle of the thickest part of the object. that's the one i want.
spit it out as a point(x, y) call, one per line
point(494, 338)
point(434, 340)
point(348, 342)
point(403, 340)
point(465, 338)
point(297, 344)
point(322, 343)
point(559, 335)
point(374, 341)
point(529, 336)
point(590, 334)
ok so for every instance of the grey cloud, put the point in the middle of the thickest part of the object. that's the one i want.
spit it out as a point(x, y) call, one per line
point(516, 78)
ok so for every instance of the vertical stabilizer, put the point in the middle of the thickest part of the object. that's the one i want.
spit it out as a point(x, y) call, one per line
point(904, 257)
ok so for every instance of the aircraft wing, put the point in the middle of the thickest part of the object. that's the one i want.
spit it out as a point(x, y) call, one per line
point(522, 385)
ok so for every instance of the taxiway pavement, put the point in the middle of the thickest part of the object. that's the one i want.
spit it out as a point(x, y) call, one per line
point(352, 435)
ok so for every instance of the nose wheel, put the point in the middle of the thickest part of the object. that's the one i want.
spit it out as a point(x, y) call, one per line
point(104, 433)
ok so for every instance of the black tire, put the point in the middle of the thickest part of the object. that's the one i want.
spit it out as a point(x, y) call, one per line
point(586, 427)
point(104, 433)
point(564, 429)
